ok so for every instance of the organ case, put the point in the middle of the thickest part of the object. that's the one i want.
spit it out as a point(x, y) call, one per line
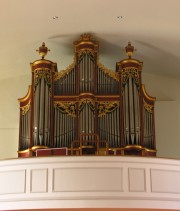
point(87, 108)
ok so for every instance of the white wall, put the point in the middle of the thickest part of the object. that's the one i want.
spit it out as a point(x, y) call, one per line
point(166, 90)
point(10, 90)
point(167, 113)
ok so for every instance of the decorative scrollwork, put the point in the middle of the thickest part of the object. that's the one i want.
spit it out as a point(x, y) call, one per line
point(42, 73)
point(85, 37)
point(106, 107)
point(66, 107)
point(25, 109)
point(83, 51)
point(148, 108)
point(86, 42)
point(128, 72)
point(88, 101)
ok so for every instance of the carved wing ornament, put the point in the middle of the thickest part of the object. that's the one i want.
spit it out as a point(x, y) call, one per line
point(148, 108)
point(65, 72)
point(108, 72)
point(106, 107)
point(26, 108)
point(127, 73)
point(68, 108)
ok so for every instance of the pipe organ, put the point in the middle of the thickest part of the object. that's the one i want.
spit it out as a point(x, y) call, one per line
point(87, 108)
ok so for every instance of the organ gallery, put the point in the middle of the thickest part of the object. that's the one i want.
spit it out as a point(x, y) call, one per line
point(86, 109)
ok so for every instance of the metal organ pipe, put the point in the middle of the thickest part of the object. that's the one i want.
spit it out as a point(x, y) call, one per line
point(86, 69)
point(126, 114)
point(66, 84)
point(131, 112)
point(41, 112)
point(117, 126)
point(74, 82)
point(131, 115)
point(151, 132)
point(85, 74)
point(108, 126)
point(108, 119)
point(55, 127)
point(47, 119)
point(36, 114)
point(86, 116)
point(137, 116)
point(60, 128)
point(105, 83)
point(148, 129)
point(64, 128)
point(23, 132)
point(25, 129)
point(41, 124)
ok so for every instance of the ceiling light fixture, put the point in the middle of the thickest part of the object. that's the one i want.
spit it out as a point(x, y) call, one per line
point(55, 17)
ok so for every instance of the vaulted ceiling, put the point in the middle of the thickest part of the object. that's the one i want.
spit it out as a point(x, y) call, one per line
point(152, 26)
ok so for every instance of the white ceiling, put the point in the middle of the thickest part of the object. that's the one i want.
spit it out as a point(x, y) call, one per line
point(153, 27)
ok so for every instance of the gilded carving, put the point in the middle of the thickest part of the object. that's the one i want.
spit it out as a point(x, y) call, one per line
point(42, 73)
point(25, 109)
point(66, 107)
point(90, 102)
point(42, 50)
point(86, 51)
point(130, 72)
point(85, 37)
point(148, 108)
point(106, 107)
point(65, 72)
point(86, 42)
point(86, 100)
point(146, 95)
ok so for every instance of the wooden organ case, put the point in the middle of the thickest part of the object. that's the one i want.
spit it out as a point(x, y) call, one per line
point(87, 108)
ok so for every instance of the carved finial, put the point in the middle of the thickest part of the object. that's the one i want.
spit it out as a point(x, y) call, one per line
point(42, 50)
point(129, 50)
point(86, 37)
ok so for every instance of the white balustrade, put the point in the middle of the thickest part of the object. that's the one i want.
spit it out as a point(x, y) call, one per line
point(89, 182)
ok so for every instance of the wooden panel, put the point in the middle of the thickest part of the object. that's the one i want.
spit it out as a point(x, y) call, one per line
point(87, 179)
point(137, 180)
point(12, 182)
point(165, 181)
point(38, 180)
